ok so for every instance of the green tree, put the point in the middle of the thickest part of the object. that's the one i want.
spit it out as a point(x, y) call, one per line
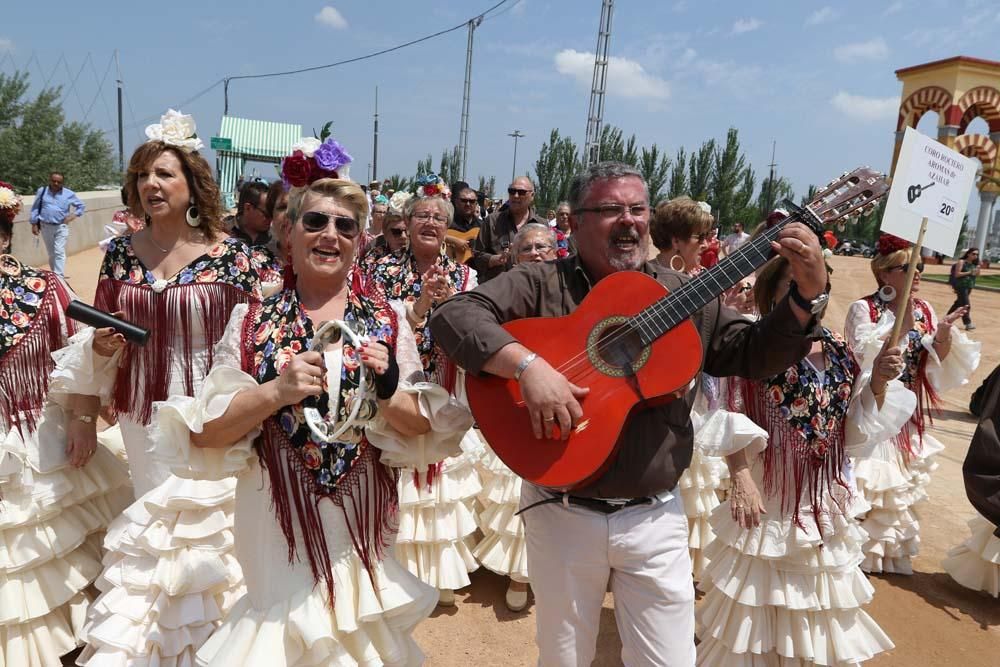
point(451, 165)
point(700, 171)
point(729, 167)
point(35, 139)
point(558, 161)
point(655, 168)
point(425, 166)
point(487, 186)
point(809, 195)
point(772, 193)
point(400, 183)
point(678, 175)
point(744, 209)
point(615, 148)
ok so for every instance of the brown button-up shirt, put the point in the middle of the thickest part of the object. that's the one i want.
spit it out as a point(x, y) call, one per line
point(496, 234)
point(658, 441)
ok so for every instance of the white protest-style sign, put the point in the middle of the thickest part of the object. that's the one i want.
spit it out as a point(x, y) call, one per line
point(931, 181)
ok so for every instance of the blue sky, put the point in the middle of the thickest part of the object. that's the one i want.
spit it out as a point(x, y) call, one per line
point(818, 78)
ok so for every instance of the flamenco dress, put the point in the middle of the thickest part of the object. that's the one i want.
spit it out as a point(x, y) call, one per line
point(52, 515)
point(892, 474)
point(789, 590)
point(170, 574)
point(314, 520)
point(437, 519)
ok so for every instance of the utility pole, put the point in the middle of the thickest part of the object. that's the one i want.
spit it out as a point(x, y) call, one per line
point(121, 126)
point(513, 170)
point(770, 181)
point(225, 96)
point(463, 132)
point(374, 175)
point(595, 116)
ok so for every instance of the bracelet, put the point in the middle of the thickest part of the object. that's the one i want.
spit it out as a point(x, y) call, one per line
point(523, 365)
point(386, 384)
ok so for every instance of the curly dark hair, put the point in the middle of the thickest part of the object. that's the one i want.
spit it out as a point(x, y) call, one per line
point(200, 182)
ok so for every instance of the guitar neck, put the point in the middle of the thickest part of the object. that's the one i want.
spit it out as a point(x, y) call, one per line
point(682, 303)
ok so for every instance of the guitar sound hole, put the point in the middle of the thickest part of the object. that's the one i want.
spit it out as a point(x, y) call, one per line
point(619, 346)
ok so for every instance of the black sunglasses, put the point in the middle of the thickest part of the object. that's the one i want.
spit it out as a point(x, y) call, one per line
point(518, 191)
point(397, 232)
point(316, 221)
point(906, 267)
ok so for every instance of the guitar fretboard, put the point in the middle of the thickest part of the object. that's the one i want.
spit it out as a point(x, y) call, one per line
point(676, 307)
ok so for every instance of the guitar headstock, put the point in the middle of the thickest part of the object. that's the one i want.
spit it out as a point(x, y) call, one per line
point(853, 193)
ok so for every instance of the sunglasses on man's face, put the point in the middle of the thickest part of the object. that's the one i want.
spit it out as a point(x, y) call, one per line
point(397, 233)
point(520, 192)
point(317, 221)
point(903, 268)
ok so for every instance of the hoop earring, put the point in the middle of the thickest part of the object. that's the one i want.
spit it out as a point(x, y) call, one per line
point(191, 215)
point(683, 264)
point(10, 265)
point(887, 293)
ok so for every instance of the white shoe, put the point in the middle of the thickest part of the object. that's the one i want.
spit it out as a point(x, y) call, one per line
point(446, 597)
point(517, 600)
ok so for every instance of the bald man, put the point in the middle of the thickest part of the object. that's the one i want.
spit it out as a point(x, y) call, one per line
point(491, 249)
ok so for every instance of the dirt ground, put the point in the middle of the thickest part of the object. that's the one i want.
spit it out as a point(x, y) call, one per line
point(932, 620)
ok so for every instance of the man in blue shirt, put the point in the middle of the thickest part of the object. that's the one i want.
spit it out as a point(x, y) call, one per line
point(50, 216)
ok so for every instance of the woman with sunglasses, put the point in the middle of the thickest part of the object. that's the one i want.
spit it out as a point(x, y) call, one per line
point(893, 474)
point(169, 574)
point(59, 488)
point(304, 389)
point(436, 505)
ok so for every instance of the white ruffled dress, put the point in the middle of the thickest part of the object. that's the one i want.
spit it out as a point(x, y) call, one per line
point(170, 574)
point(52, 518)
point(284, 617)
point(976, 562)
point(503, 548)
point(890, 483)
point(788, 594)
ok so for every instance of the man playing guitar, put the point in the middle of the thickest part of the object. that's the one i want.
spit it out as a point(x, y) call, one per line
point(628, 526)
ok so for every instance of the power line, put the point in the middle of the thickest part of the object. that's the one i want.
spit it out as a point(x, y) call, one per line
point(348, 61)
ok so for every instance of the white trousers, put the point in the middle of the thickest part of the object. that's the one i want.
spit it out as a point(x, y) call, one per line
point(643, 550)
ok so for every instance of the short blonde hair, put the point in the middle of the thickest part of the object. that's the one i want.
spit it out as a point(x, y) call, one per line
point(679, 218)
point(881, 263)
point(443, 205)
point(347, 193)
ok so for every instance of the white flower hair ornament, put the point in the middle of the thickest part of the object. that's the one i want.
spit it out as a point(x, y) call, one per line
point(398, 201)
point(705, 206)
point(176, 129)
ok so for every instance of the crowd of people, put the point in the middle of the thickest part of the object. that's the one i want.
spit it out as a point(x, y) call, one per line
point(296, 478)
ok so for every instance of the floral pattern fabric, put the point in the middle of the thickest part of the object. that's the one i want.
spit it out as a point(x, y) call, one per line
point(21, 294)
point(914, 352)
point(279, 329)
point(229, 261)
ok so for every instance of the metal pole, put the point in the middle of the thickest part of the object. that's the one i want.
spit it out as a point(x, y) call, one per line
point(375, 149)
point(513, 170)
point(463, 132)
point(225, 93)
point(121, 126)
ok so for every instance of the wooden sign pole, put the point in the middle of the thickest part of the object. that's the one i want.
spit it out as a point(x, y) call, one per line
point(904, 298)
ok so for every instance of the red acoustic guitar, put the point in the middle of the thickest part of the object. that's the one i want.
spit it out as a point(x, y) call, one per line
point(634, 345)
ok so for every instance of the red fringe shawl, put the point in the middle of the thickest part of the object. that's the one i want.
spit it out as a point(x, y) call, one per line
point(144, 373)
point(26, 367)
point(791, 468)
point(366, 494)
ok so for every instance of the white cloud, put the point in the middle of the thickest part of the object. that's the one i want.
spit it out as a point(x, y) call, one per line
point(331, 17)
point(626, 78)
point(873, 49)
point(822, 15)
point(6, 44)
point(519, 8)
point(894, 8)
point(866, 109)
point(746, 25)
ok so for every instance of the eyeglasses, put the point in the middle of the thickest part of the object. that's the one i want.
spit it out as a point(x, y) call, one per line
point(700, 238)
point(317, 221)
point(467, 201)
point(535, 247)
point(615, 211)
point(426, 216)
point(397, 233)
point(903, 268)
point(520, 192)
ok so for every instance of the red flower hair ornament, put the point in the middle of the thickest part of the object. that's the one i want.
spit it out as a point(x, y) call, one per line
point(887, 243)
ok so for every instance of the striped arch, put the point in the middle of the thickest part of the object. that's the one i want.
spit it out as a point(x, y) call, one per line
point(982, 101)
point(977, 146)
point(931, 98)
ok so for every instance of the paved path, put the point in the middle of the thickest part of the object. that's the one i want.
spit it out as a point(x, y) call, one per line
point(932, 620)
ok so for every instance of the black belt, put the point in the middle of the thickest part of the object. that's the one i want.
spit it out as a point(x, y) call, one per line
point(595, 504)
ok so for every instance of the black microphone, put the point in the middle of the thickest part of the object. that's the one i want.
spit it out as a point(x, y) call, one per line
point(81, 312)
